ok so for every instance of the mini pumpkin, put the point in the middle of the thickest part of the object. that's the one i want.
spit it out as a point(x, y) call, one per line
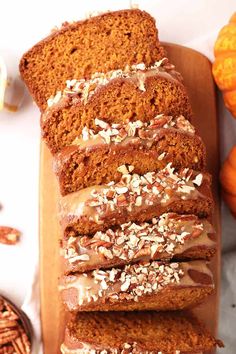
point(224, 67)
point(228, 180)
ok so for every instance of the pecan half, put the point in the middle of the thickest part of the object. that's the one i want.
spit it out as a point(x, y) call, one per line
point(21, 344)
point(8, 336)
point(7, 349)
point(9, 235)
point(6, 323)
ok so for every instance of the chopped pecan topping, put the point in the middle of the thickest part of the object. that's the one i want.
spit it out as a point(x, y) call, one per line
point(131, 241)
point(134, 190)
point(116, 133)
point(135, 280)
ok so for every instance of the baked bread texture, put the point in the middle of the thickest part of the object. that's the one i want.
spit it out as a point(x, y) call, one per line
point(141, 286)
point(171, 236)
point(137, 332)
point(96, 158)
point(99, 44)
point(138, 93)
point(136, 198)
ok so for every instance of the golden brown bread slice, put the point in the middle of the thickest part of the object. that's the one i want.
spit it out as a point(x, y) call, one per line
point(171, 236)
point(136, 198)
point(138, 93)
point(140, 286)
point(96, 158)
point(77, 50)
point(137, 332)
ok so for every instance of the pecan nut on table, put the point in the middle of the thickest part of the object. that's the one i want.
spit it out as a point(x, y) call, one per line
point(9, 235)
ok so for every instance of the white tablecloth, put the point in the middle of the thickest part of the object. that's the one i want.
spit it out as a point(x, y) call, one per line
point(23, 23)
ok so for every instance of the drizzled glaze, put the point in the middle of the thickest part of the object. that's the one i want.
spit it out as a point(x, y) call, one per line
point(132, 282)
point(138, 135)
point(132, 194)
point(131, 132)
point(126, 348)
point(162, 238)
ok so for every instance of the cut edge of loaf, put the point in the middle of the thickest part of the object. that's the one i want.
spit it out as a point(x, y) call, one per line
point(119, 101)
point(169, 237)
point(155, 51)
point(78, 167)
point(151, 285)
point(99, 207)
point(147, 332)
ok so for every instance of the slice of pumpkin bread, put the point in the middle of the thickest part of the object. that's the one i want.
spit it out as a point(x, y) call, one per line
point(141, 286)
point(77, 50)
point(137, 332)
point(136, 198)
point(171, 236)
point(100, 158)
point(138, 93)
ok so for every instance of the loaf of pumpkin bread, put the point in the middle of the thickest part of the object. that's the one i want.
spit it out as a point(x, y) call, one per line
point(99, 44)
point(137, 332)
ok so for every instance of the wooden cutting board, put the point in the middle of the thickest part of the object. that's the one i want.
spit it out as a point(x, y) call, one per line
point(196, 70)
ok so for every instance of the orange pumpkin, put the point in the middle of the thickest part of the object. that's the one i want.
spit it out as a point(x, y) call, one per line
point(224, 67)
point(228, 180)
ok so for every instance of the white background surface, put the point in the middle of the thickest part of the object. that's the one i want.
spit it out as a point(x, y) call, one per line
point(194, 23)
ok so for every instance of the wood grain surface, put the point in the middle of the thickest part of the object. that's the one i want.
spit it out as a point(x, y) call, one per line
point(196, 71)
